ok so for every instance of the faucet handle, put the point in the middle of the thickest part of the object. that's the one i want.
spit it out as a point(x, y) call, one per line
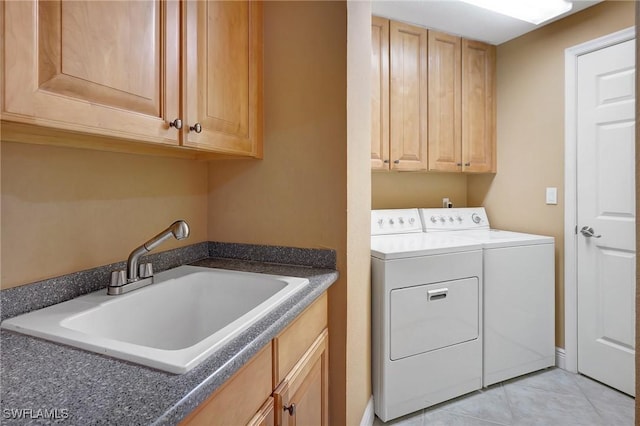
point(118, 278)
point(145, 270)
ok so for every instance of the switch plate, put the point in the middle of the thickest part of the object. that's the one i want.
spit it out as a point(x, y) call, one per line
point(552, 195)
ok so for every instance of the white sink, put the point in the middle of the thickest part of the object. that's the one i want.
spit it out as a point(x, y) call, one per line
point(173, 324)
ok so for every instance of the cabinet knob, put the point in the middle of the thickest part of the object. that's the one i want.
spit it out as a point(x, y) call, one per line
point(459, 164)
point(291, 409)
point(177, 123)
point(467, 164)
point(386, 161)
point(396, 161)
point(196, 128)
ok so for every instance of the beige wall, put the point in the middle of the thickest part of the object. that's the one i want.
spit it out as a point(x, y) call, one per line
point(397, 190)
point(358, 206)
point(530, 129)
point(297, 195)
point(65, 210)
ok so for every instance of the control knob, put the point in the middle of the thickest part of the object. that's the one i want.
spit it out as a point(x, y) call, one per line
point(475, 218)
point(391, 222)
point(411, 221)
point(442, 219)
point(380, 222)
point(433, 219)
point(401, 221)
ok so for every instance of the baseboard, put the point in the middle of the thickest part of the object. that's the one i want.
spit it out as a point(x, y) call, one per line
point(561, 358)
point(368, 416)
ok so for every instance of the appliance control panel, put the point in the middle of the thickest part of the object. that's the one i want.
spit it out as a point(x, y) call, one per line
point(395, 221)
point(454, 219)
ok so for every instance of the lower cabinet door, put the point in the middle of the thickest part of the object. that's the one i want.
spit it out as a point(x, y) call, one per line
point(264, 417)
point(302, 397)
point(240, 398)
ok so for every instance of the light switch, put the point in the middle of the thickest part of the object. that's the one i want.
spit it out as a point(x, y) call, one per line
point(552, 195)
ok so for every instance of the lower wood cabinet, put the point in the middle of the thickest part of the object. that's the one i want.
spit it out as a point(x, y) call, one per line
point(285, 384)
point(266, 415)
point(240, 398)
point(302, 398)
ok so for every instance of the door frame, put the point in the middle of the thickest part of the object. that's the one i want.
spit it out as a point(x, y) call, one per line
point(571, 56)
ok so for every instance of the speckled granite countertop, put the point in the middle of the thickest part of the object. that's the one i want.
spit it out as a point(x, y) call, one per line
point(85, 388)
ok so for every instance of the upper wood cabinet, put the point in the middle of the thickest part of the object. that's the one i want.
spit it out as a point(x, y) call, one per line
point(379, 93)
point(127, 70)
point(107, 68)
point(478, 106)
point(461, 104)
point(440, 116)
point(224, 76)
point(408, 97)
point(445, 132)
point(399, 96)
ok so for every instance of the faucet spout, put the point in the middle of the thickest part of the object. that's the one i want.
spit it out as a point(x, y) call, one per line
point(178, 229)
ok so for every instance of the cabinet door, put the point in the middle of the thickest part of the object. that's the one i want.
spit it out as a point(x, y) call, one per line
point(302, 398)
point(295, 340)
point(224, 76)
point(445, 141)
point(379, 93)
point(478, 107)
point(238, 400)
point(408, 97)
point(266, 415)
point(100, 67)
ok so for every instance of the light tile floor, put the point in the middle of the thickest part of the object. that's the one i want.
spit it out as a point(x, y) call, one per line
point(551, 397)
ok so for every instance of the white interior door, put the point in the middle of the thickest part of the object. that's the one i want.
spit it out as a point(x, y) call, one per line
point(606, 215)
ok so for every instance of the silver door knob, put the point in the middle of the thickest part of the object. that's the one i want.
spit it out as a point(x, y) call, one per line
point(588, 232)
point(196, 128)
point(177, 123)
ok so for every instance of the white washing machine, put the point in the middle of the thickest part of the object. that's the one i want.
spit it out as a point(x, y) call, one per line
point(519, 292)
point(426, 314)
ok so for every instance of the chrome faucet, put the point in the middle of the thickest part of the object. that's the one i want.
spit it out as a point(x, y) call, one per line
point(136, 276)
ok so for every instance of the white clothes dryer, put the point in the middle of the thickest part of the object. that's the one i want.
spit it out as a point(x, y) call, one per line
point(426, 314)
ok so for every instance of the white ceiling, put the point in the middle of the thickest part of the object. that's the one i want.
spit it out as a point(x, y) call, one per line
point(463, 19)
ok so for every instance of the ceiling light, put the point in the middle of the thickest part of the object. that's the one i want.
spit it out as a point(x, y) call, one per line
point(534, 11)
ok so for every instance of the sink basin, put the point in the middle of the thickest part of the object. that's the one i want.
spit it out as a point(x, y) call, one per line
point(172, 325)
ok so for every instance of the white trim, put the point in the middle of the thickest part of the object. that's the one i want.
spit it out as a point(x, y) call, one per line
point(368, 416)
point(561, 358)
point(570, 181)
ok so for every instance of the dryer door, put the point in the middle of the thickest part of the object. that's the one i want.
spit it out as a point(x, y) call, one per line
point(433, 316)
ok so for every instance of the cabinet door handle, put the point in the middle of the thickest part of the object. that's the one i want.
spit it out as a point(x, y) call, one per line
point(196, 128)
point(177, 123)
point(291, 409)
